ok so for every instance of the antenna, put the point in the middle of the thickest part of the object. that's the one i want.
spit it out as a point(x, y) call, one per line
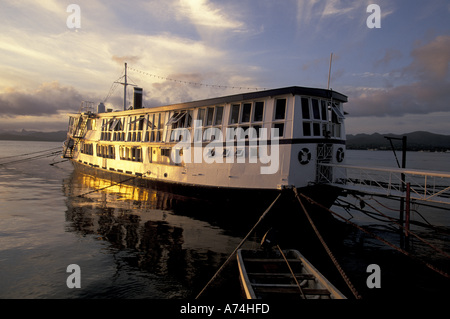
point(329, 71)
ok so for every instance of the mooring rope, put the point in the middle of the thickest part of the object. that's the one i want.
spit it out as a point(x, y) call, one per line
point(32, 153)
point(443, 273)
point(330, 254)
point(406, 230)
point(292, 273)
point(239, 246)
point(41, 156)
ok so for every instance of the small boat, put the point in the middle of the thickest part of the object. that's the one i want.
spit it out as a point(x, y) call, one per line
point(269, 274)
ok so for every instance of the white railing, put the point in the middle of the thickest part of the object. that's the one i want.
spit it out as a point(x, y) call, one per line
point(86, 107)
point(430, 186)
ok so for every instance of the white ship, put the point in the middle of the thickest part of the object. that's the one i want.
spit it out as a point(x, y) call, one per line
point(259, 142)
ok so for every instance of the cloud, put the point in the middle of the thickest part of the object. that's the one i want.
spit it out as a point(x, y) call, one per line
point(202, 13)
point(122, 59)
point(389, 56)
point(431, 61)
point(48, 99)
point(427, 91)
point(313, 13)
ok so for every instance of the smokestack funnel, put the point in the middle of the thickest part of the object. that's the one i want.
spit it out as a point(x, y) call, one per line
point(137, 102)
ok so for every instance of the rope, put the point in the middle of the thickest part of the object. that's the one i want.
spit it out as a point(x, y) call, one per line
point(32, 158)
point(292, 272)
point(26, 154)
point(194, 83)
point(336, 263)
point(378, 237)
point(239, 246)
point(102, 188)
point(407, 231)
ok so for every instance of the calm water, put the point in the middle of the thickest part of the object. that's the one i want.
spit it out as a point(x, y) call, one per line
point(135, 243)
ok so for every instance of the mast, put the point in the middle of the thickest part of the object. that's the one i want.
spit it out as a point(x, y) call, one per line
point(125, 89)
point(125, 84)
point(329, 71)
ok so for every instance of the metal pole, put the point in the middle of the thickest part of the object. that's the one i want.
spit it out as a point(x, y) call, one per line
point(408, 198)
point(402, 200)
point(329, 71)
point(125, 90)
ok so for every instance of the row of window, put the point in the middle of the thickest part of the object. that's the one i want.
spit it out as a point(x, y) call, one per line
point(128, 153)
point(316, 114)
point(320, 118)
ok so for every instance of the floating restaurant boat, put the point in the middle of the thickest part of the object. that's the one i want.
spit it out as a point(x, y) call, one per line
point(260, 142)
point(270, 274)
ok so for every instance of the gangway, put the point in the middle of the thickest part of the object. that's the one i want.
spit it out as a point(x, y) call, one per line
point(428, 186)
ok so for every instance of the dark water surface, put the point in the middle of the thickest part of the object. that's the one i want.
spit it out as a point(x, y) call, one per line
point(136, 243)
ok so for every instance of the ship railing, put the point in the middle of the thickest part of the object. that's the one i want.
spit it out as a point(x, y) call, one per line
point(87, 107)
point(430, 186)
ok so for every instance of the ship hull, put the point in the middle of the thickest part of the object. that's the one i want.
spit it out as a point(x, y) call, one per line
point(223, 197)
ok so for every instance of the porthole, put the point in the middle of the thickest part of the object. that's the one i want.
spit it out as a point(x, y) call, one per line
point(304, 156)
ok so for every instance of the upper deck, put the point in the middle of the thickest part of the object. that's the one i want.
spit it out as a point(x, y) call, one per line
point(296, 112)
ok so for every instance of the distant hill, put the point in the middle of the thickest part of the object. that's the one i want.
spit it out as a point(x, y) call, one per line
point(58, 136)
point(416, 141)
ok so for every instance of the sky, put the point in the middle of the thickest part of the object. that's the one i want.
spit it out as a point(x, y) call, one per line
point(396, 77)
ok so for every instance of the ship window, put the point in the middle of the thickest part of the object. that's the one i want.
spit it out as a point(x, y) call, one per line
point(219, 115)
point(201, 116)
point(280, 128)
point(316, 129)
point(258, 112)
point(315, 109)
point(306, 129)
point(189, 119)
point(161, 120)
point(255, 132)
point(209, 116)
point(165, 152)
point(305, 108)
point(150, 122)
point(280, 109)
point(141, 123)
point(235, 109)
point(113, 125)
point(323, 105)
point(176, 117)
point(337, 113)
point(246, 110)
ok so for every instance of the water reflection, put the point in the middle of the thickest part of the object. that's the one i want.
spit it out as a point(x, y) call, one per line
point(159, 231)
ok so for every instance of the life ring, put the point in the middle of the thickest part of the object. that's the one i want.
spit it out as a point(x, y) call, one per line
point(304, 156)
point(340, 154)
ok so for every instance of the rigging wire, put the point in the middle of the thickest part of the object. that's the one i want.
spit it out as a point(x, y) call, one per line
point(443, 273)
point(408, 231)
point(195, 83)
point(26, 154)
point(32, 158)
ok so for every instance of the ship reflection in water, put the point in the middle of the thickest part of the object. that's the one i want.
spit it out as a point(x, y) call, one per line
point(155, 234)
